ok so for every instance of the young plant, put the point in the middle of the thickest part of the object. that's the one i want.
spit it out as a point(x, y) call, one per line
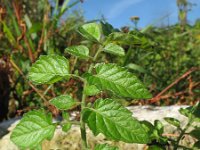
point(106, 116)
point(160, 140)
point(192, 127)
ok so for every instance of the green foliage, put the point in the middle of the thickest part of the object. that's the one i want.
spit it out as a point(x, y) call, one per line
point(173, 121)
point(118, 80)
point(79, 51)
point(114, 49)
point(34, 127)
point(192, 112)
point(37, 31)
point(114, 121)
point(197, 145)
point(63, 102)
point(91, 90)
point(185, 130)
point(155, 147)
point(156, 55)
point(49, 69)
point(105, 116)
point(91, 31)
point(135, 67)
point(195, 133)
point(169, 54)
point(66, 127)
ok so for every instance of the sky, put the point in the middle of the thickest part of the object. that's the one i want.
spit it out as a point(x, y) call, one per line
point(151, 12)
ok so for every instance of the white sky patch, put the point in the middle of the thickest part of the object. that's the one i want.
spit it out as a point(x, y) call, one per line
point(120, 7)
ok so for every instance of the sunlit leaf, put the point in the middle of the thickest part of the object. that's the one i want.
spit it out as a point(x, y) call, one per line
point(191, 112)
point(65, 115)
point(118, 80)
point(91, 90)
point(34, 127)
point(172, 121)
point(66, 127)
point(91, 31)
point(79, 51)
point(123, 39)
point(63, 102)
point(159, 126)
point(114, 121)
point(136, 67)
point(49, 69)
point(114, 49)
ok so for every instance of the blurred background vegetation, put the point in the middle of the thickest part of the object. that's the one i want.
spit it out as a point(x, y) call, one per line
point(166, 59)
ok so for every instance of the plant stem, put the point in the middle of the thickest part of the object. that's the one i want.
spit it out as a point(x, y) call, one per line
point(128, 56)
point(75, 122)
point(182, 133)
point(83, 104)
point(78, 77)
point(82, 127)
point(73, 65)
point(94, 59)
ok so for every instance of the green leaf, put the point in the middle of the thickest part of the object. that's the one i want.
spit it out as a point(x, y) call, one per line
point(79, 51)
point(123, 39)
point(118, 80)
point(65, 115)
point(114, 121)
point(105, 147)
point(196, 111)
point(191, 112)
point(185, 111)
point(195, 133)
point(34, 127)
point(107, 28)
point(49, 69)
point(63, 102)
point(91, 90)
point(36, 27)
point(39, 147)
point(91, 31)
point(8, 34)
point(196, 145)
point(172, 121)
point(66, 127)
point(64, 6)
point(159, 127)
point(114, 49)
point(155, 147)
point(136, 68)
point(147, 126)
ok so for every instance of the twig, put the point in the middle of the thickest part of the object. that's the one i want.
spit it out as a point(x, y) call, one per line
point(157, 97)
point(23, 29)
